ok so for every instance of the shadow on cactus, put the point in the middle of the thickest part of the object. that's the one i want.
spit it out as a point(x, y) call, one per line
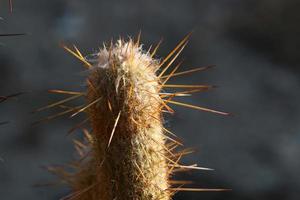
point(127, 153)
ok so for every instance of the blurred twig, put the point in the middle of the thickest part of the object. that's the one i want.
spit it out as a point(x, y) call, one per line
point(4, 98)
point(10, 5)
point(11, 34)
point(3, 123)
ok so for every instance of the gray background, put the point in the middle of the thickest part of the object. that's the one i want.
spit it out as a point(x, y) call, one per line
point(255, 45)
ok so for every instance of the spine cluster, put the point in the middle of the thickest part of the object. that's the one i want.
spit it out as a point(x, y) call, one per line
point(127, 153)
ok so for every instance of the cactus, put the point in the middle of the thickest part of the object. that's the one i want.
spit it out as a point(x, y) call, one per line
point(128, 154)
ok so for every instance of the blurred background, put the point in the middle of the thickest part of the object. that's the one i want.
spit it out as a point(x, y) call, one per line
point(255, 45)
